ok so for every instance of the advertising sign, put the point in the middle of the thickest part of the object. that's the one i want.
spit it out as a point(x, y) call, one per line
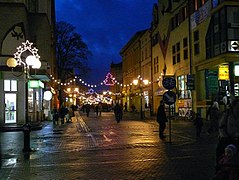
point(223, 72)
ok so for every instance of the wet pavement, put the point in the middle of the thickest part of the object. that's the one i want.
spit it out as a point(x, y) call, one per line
point(99, 148)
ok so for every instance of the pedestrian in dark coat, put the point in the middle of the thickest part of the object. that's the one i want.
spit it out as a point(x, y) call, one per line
point(87, 109)
point(213, 115)
point(198, 123)
point(97, 109)
point(55, 115)
point(161, 119)
point(118, 110)
point(62, 113)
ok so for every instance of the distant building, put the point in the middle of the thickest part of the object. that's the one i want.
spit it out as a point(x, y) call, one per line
point(116, 71)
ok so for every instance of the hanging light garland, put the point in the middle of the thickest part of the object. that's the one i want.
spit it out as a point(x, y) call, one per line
point(109, 81)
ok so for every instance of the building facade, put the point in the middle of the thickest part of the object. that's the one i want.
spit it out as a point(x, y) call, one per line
point(116, 72)
point(136, 59)
point(194, 42)
point(31, 21)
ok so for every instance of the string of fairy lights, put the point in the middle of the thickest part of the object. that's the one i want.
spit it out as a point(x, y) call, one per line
point(109, 81)
point(91, 96)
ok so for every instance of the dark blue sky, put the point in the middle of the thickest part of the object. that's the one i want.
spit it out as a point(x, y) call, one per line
point(106, 26)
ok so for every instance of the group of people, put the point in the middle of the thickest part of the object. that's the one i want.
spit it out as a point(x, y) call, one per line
point(64, 114)
point(97, 108)
point(226, 123)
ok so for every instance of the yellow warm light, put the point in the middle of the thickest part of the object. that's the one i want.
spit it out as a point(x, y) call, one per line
point(68, 89)
point(135, 81)
point(146, 81)
point(11, 62)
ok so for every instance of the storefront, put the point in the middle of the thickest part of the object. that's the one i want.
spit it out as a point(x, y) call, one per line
point(14, 99)
point(35, 100)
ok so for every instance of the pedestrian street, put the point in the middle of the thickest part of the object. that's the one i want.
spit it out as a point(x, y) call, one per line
point(100, 148)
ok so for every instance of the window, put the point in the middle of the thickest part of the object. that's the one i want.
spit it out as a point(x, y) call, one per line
point(196, 35)
point(184, 13)
point(196, 5)
point(10, 107)
point(183, 93)
point(196, 42)
point(185, 48)
point(10, 85)
point(156, 65)
point(155, 39)
point(177, 20)
point(178, 52)
point(174, 54)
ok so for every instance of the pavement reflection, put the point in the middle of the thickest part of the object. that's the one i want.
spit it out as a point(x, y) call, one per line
point(99, 148)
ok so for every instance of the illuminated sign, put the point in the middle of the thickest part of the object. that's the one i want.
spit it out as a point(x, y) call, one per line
point(35, 84)
point(233, 45)
point(223, 72)
point(236, 70)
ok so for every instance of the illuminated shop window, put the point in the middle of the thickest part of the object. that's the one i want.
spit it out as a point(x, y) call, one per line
point(10, 85)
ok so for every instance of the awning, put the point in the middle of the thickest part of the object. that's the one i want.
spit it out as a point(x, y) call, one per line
point(40, 74)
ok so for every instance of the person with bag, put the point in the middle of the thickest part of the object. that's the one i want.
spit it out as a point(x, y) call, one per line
point(161, 119)
point(228, 128)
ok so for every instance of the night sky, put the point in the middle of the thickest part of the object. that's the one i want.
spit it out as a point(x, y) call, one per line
point(106, 26)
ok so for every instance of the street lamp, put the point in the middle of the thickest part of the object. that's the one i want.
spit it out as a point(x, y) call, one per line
point(140, 81)
point(31, 57)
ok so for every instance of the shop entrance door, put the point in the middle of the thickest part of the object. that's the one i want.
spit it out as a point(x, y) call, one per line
point(10, 108)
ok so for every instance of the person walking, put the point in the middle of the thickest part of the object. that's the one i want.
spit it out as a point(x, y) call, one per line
point(87, 109)
point(228, 128)
point(213, 116)
point(118, 111)
point(161, 119)
point(62, 113)
point(198, 123)
point(97, 109)
point(100, 109)
point(55, 115)
point(125, 107)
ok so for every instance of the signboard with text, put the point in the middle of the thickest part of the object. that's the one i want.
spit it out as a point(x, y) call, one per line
point(223, 72)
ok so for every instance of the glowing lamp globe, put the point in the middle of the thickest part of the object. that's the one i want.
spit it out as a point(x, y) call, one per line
point(31, 60)
point(47, 95)
point(37, 64)
point(11, 62)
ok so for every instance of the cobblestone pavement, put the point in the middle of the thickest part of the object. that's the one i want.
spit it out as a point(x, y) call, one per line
point(99, 148)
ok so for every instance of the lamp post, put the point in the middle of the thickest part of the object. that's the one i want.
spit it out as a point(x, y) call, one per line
point(140, 81)
point(33, 61)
